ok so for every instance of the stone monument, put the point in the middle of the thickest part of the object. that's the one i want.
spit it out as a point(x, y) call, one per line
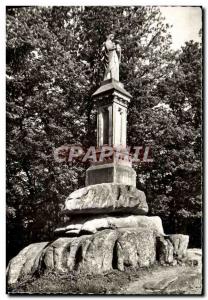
point(111, 100)
point(105, 225)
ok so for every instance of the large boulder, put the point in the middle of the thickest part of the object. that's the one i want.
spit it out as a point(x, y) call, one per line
point(103, 251)
point(79, 225)
point(172, 248)
point(26, 262)
point(180, 244)
point(92, 254)
point(107, 198)
point(135, 248)
point(164, 250)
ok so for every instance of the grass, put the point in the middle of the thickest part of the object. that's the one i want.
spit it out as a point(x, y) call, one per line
point(75, 283)
point(187, 281)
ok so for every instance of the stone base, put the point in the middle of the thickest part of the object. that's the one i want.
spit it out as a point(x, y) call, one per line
point(120, 248)
point(111, 173)
point(106, 198)
point(82, 225)
point(97, 253)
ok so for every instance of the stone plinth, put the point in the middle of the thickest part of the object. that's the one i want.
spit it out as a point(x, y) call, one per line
point(111, 86)
point(111, 173)
point(106, 198)
point(111, 100)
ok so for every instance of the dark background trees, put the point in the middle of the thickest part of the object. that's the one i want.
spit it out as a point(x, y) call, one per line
point(53, 68)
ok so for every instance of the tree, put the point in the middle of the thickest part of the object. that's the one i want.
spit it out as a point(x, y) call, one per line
point(173, 127)
point(45, 109)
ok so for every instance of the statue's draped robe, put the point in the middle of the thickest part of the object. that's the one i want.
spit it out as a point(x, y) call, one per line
point(111, 60)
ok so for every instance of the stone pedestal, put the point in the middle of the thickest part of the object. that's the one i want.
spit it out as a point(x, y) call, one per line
point(111, 173)
point(106, 198)
point(111, 100)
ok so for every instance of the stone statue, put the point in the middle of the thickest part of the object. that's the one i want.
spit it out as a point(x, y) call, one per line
point(111, 57)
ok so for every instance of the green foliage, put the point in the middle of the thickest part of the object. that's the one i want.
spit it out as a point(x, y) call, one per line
point(53, 67)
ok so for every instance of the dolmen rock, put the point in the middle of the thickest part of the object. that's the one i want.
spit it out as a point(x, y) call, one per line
point(103, 251)
point(106, 229)
point(87, 225)
point(180, 244)
point(172, 248)
point(107, 198)
point(164, 251)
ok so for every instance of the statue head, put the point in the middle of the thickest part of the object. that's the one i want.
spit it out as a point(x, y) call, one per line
point(110, 36)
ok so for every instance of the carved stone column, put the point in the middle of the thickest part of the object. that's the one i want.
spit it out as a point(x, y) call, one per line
point(111, 100)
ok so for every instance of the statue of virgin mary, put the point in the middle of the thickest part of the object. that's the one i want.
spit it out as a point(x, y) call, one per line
point(111, 58)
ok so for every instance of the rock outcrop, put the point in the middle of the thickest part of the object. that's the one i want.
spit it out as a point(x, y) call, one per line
point(107, 198)
point(25, 263)
point(135, 248)
point(172, 248)
point(106, 230)
point(103, 251)
point(118, 248)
